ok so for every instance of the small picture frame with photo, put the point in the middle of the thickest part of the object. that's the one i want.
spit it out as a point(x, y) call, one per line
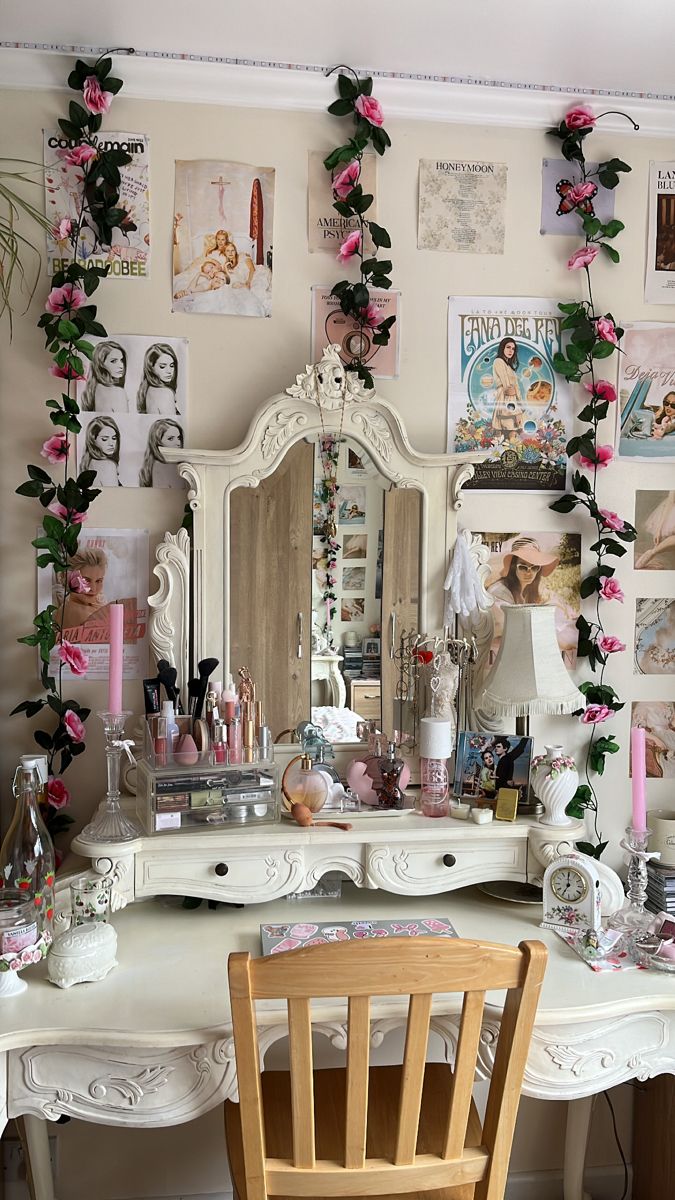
point(490, 762)
point(370, 647)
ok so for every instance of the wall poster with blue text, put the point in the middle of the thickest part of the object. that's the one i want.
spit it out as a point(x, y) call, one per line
point(504, 398)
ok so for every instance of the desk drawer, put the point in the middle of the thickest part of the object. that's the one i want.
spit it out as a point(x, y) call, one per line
point(365, 698)
point(219, 872)
point(442, 865)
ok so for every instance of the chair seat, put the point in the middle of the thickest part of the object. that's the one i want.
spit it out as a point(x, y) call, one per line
point(329, 1107)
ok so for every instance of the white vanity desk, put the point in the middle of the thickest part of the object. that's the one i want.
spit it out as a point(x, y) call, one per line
point(151, 1044)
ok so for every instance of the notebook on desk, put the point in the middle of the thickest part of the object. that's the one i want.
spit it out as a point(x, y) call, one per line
point(290, 936)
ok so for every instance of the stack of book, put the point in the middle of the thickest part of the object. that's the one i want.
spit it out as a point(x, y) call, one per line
point(371, 666)
point(352, 664)
point(660, 888)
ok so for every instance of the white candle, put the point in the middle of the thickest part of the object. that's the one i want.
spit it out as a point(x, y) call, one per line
point(638, 773)
point(116, 658)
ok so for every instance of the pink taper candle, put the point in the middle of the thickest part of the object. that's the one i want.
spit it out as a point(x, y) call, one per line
point(638, 771)
point(116, 658)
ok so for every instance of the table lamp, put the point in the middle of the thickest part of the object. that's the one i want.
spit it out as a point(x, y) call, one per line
point(529, 676)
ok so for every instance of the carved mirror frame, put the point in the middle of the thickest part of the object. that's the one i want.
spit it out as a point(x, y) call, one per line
point(325, 400)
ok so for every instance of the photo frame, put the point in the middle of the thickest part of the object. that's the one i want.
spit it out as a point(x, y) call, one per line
point(371, 647)
point(488, 762)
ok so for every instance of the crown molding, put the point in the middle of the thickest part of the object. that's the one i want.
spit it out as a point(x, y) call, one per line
point(149, 76)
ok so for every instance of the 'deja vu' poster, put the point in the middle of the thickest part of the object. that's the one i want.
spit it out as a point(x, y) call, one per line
point(114, 566)
point(504, 397)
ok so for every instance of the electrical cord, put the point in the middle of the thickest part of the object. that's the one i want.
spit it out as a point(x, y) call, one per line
point(619, 1146)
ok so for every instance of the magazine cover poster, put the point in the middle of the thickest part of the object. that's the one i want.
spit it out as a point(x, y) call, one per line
point(654, 547)
point(536, 568)
point(330, 326)
point(128, 256)
point(504, 397)
point(133, 406)
point(646, 427)
point(326, 227)
point(660, 269)
point(114, 563)
point(657, 718)
point(222, 238)
point(654, 636)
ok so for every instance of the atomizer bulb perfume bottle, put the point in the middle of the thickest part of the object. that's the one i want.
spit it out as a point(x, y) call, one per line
point(303, 784)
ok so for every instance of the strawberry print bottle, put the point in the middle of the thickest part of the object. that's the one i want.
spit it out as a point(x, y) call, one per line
point(27, 852)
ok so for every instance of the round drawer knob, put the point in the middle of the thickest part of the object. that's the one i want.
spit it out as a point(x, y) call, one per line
point(449, 860)
point(222, 869)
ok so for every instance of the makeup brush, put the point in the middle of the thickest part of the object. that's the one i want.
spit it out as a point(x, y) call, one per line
point(205, 668)
point(167, 676)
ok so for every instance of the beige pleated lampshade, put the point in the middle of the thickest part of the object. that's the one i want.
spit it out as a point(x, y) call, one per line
point(529, 677)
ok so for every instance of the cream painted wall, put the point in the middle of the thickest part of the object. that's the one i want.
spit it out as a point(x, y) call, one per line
point(235, 363)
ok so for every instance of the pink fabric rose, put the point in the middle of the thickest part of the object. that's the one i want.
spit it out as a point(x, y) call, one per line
point(581, 192)
point(370, 109)
point(61, 299)
point(346, 179)
point(580, 118)
point(349, 247)
point(583, 257)
point(73, 657)
point(612, 590)
point(595, 713)
point(78, 156)
point(604, 327)
point(371, 316)
point(612, 520)
point(74, 726)
point(602, 389)
point(603, 455)
point(66, 373)
point(62, 231)
point(96, 100)
point(57, 792)
point(56, 448)
point(78, 583)
point(610, 644)
point(66, 514)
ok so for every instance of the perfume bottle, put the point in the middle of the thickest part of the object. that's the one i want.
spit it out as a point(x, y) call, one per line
point(27, 852)
point(436, 747)
point(389, 794)
point(303, 784)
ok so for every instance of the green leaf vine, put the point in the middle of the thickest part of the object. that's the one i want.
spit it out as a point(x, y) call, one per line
point(68, 321)
point(349, 200)
point(593, 337)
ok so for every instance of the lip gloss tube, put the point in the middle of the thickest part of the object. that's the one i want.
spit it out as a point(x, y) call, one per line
point(249, 741)
point(218, 742)
point(160, 743)
point(234, 740)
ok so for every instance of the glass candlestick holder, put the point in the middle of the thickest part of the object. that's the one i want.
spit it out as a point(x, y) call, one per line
point(110, 824)
point(632, 917)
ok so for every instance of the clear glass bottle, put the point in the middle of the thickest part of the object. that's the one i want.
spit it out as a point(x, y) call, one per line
point(27, 852)
point(303, 784)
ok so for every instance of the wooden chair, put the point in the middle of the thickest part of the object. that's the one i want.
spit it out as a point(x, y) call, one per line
point(337, 1133)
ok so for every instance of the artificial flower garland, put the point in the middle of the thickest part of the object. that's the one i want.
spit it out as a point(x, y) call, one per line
point(350, 200)
point(329, 447)
point(593, 337)
point(67, 320)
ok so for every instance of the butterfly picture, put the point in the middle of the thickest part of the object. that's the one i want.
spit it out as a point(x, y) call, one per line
point(563, 188)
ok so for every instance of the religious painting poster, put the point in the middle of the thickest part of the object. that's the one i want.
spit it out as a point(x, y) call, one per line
point(326, 229)
point(355, 545)
point(558, 213)
point(654, 637)
point(462, 206)
point(114, 563)
point(660, 267)
point(128, 256)
point(330, 326)
point(657, 718)
point(504, 397)
point(536, 568)
point(223, 238)
point(654, 547)
point(353, 579)
point(646, 422)
point(132, 406)
point(351, 505)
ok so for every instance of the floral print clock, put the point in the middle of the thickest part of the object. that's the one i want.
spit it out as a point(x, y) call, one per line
point(572, 895)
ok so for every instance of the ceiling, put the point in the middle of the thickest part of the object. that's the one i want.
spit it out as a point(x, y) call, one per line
point(605, 45)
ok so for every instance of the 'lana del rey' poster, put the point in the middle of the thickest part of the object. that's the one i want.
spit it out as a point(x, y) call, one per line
point(504, 397)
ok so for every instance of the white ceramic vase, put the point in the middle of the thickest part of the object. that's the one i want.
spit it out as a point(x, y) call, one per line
point(554, 782)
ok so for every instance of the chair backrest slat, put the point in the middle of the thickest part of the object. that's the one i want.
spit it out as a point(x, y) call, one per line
point(302, 1081)
point(412, 1078)
point(359, 970)
point(464, 1072)
point(358, 1063)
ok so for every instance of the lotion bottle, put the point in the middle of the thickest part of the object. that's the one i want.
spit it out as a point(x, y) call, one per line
point(172, 731)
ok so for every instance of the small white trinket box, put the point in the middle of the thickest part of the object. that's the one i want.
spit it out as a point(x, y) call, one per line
point(82, 954)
